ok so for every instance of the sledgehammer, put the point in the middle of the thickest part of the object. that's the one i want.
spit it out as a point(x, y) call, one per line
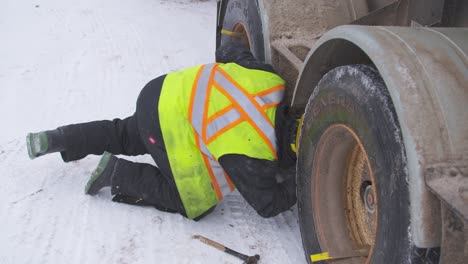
point(245, 258)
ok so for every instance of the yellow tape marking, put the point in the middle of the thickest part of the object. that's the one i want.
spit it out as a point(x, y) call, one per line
point(320, 257)
point(231, 33)
point(227, 32)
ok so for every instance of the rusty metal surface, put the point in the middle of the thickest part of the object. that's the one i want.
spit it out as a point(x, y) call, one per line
point(426, 73)
point(281, 47)
point(455, 13)
point(454, 248)
point(405, 13)
point(426, 12)
point(443, 13)
point(303, 19)
point(449, 181)
point(287, 24)
point(377, 4)
point(362, 223)
point(387, 15)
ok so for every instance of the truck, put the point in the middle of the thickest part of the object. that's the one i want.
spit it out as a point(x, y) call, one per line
point(382, 88)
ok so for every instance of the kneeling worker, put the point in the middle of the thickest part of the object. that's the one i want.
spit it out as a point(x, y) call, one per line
point(210, 129)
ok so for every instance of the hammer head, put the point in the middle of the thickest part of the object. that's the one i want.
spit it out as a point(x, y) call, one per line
point(252, 259)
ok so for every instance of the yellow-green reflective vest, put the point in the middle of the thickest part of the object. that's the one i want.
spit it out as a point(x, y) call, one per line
point(211, 110)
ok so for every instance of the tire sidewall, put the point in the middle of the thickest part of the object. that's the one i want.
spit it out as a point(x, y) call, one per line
point(357, 97)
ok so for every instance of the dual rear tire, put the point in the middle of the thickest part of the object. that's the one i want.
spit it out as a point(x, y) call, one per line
point(352, 178)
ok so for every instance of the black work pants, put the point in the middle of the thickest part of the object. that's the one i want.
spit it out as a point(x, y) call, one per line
point(135, 135)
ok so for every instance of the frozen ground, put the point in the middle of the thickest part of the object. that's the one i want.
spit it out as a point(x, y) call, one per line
point(79, 60)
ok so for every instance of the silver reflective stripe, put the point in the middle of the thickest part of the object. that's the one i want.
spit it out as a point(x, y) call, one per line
point(221, 122)
point(197, 123)
point(220, 178)
point(271, 98)
point(200, 98)
point(203, 148)
point(263, 124)
point(217, 170)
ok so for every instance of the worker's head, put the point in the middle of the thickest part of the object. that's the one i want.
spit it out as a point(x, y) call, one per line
point(234, 51)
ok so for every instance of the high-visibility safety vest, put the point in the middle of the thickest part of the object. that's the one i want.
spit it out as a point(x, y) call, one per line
point(211, 110)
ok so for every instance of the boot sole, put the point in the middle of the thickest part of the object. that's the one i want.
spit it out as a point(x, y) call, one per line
point(94, 185)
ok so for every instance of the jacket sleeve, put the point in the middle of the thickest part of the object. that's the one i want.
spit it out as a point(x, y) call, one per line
point(269, 189)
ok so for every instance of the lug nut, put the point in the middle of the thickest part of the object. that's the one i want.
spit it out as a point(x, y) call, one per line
point(369, 199)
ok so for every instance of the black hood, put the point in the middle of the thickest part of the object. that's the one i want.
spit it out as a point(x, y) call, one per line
point(239, 53)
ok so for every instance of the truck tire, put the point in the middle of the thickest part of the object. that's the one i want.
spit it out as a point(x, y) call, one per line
point(242, 17)
point(352, 176)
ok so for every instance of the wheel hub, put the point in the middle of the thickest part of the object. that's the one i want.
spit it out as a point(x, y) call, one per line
point(240, 34)
point(345, 202)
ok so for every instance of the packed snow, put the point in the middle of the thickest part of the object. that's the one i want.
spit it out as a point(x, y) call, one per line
point(74, 61)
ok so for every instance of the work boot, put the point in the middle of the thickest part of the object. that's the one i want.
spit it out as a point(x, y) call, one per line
point(102, 175)
point(45, 142)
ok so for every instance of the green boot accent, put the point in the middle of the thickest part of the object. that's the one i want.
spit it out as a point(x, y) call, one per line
point(101, 176)
point(37, 144)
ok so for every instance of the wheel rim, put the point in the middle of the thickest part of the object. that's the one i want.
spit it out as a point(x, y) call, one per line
point(240, 34)
point(344, 197)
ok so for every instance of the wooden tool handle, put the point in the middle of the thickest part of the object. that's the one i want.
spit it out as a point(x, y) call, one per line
point(210, 242)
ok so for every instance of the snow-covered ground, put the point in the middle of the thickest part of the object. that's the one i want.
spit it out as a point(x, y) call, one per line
point(68, 61)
